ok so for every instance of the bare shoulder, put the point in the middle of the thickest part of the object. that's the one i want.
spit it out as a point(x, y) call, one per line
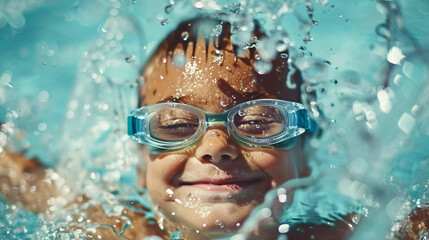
point(22, 181)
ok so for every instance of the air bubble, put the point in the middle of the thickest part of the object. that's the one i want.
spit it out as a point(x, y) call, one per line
point(223, 103)
point(130, 59)
point(284, 55)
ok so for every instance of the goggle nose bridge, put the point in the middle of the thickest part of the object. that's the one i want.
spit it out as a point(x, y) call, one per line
point(216, 118)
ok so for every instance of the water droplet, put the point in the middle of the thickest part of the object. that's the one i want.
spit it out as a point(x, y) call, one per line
point(198, 5)
point(228, 195)
point(220, 224)
point(168, 9)
point(134, 1)
point(130, 59)
point(241, 113)
point(314, 23)
point(42, 126)
point(139, 79)
point(217, 52)
point(164, 60)
point(263, 67)
point(284, 228)
point(223, 103)
point(185, 35)
point(179, 60)
point(165, 21)
point(191, 201)
point(265, 213)
point(217, 30)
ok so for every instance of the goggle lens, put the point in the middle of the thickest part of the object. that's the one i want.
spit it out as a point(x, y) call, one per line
point(173, 124)
point(259, 121)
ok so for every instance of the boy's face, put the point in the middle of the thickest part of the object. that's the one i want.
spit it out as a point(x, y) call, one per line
point(214, 185)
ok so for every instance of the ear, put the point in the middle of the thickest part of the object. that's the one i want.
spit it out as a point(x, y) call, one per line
point(141, 171)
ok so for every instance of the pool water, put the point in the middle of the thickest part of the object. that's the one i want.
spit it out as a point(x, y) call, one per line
point(69, 75)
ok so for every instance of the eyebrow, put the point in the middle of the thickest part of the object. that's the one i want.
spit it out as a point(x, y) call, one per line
point(249, 96)
point(173, 99)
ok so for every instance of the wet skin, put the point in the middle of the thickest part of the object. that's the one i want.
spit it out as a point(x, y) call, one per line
point(212, 186)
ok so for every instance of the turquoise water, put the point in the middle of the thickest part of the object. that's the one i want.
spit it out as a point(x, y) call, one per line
point(69, 75)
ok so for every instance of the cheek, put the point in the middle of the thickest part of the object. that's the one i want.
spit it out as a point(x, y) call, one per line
point(276, 163)
point(161, 170)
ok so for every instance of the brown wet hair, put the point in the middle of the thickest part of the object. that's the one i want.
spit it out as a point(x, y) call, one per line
point(188, 33)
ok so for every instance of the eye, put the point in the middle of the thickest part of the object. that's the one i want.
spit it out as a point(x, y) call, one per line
point(178, 126)
point(259, 121)
point(255, 124)
point(173, 125)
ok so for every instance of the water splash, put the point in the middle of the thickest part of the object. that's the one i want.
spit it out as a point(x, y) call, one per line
point(361, 98)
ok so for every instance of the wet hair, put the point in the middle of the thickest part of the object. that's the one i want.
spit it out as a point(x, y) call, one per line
point(218, 33)
point(188, 32)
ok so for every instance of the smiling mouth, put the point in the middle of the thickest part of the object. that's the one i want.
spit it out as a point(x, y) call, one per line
point(221, 185)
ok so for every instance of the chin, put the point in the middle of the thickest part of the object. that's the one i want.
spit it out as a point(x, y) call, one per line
point(211, 219)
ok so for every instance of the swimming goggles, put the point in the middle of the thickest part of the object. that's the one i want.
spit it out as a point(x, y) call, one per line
point(262, 123)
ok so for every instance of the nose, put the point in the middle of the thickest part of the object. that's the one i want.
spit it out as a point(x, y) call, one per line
point(217, 147)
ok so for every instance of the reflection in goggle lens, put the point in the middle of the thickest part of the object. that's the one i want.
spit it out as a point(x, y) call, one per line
point(259, 121)
point(173, 124)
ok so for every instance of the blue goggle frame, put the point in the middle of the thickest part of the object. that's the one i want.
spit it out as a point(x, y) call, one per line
point(297, 117)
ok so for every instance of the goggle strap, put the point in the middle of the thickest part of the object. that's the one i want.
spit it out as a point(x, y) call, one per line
point(131, 122)
point(304, 121)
